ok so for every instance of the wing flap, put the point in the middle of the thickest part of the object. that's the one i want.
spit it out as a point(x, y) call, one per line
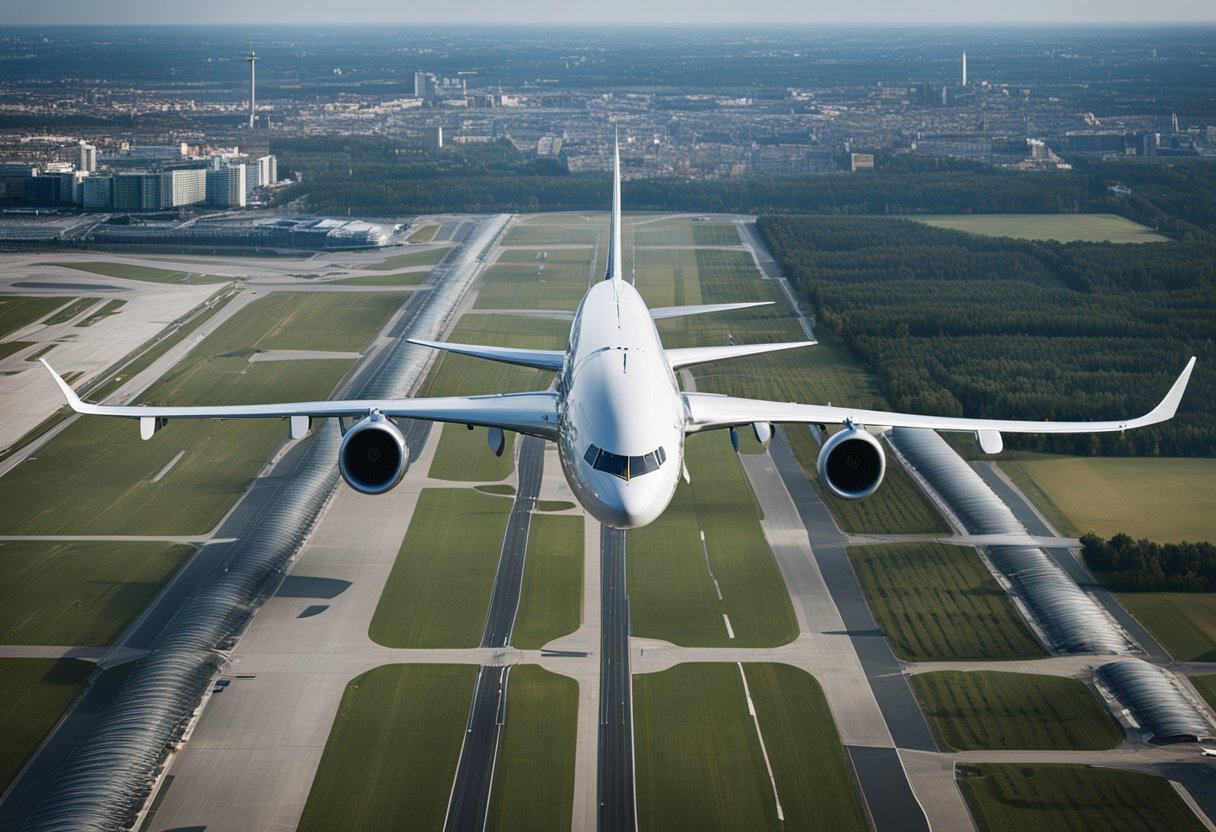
point(689, 356)
point(707, 411)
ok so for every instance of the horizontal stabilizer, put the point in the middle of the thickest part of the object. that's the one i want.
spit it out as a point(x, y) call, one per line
point(539, 359)
point(700, 355)
point(682, 311)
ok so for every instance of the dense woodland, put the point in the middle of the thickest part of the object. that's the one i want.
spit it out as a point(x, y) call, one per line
point(1143, 566)
point(958, 324)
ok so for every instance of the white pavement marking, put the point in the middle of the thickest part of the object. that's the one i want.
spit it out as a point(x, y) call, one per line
point(730, 633)
point(301, 355)
point(751, 710)
point(169, 465)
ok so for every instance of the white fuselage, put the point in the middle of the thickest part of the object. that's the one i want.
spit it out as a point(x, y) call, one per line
point(620, 414)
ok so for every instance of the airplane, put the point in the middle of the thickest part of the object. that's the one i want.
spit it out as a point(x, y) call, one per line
point(1207, 752)
point(616, 413)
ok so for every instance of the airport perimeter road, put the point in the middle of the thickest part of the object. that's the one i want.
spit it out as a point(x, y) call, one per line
point(617, 803)
point(470, 797)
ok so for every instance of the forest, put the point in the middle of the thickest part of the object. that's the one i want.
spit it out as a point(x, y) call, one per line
point(958, 324)
point(1128, 565)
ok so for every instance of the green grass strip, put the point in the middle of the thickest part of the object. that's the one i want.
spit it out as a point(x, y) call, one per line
point(551, 599)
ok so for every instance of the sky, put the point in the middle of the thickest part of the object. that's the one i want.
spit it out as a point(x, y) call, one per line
point(760, 12)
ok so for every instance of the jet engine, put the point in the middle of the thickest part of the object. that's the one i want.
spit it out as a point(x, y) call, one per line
point(851, 464)
point(373, 457)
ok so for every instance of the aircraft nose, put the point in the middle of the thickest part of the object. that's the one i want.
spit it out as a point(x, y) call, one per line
point(629, 505)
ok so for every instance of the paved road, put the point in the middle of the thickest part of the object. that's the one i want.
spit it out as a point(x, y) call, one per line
point(470, 798)
point(617, 803)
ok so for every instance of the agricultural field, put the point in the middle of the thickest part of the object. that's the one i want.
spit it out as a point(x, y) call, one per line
point(899, 506)
point(699, 763)
point(364, 780)
point(134, 272)
point(534, 772)
point(34, 693)
point(1164, 499)
point(1064, 228)
point(939, 603)
point(1047, 798)
point(98, 477)
point(551, 599)
point(994, 710)
point(440, 586)
point(671, 592)
point(18, 312)
point(425, 257)
point(81, 593)
point(1184, 622)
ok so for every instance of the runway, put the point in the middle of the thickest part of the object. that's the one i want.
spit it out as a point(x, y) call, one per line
point(617, 802)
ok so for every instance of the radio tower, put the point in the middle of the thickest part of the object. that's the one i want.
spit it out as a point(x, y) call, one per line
point(252, 59)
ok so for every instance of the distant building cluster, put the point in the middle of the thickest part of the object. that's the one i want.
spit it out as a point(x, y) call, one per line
point(136, 178)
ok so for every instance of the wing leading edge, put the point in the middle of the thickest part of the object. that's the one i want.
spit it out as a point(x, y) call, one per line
point(707, 411)
point(531, 413)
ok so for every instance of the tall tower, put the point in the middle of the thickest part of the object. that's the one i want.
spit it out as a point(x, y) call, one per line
point(252, 59)
point(964, 67)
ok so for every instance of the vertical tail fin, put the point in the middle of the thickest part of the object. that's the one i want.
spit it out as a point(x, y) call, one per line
point(613, 272)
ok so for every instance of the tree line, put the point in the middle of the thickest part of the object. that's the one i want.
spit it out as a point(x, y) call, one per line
point(1131, 565)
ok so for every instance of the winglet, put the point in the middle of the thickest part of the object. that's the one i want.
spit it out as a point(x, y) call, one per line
point(613, 272)
point(65, 388)
point(1169, 405)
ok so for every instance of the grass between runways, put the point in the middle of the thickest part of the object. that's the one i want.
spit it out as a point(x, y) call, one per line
point(97, 475)
point(551, 599)
point(110, 308)
point(534, 772)
point(18, 312)
point(1046, 798)
point(79, 593)
point(699, 761)
point(1166, 499)
point(411, 278)
point(464, 455)
point(424, 234)
point(34, 693)
point(133, 272)
point(981, 710)
point(425, 257)
point(939, 603)
point(391, 755)
point(1184, 622)
point(70, 311)
point(439, 589)
point(671, 593)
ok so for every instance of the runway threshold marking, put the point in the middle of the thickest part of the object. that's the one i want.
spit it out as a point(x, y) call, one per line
point(751, 710)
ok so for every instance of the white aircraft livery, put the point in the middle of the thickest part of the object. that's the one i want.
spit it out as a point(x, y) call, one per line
point(617, 415)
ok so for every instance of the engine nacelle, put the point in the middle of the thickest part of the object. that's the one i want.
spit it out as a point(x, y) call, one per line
point(851, 464)
point(373, 457)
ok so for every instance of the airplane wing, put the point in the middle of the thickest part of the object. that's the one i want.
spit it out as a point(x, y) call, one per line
point(707, 411)
point(663, 312)
point(531, 413)
point(689, 356)
point(540, 359)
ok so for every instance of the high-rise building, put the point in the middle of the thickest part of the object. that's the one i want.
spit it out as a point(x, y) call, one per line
point(187, 186)
point(95, 193)
point(423, 87)
point(88, 158)
point(136, 191)
point(432, 138)
point(253, 105)
point(964, 67)
point(226, 187)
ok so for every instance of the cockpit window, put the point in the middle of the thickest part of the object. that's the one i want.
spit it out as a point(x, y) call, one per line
point(625, 467)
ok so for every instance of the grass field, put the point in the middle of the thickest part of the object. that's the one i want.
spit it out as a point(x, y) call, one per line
point(938, 603)
point(699, 763)
point(671, 593)
point(389, 279)
point(1064, 228)
point(71, 310)
point(551, 600)
point(7, 348)
point(34, 693)
point(982, 710)
point(425, 257)
point(1164, 499)
point(18, 312)
point(392, 752)
point(536, 279)
point(110, 308)
point(1184, 622)
point(1206, 685)
point(899, 506)
point(79, 593)
point(439, 590)
point(96, 477)
point(1047, 798)
point(424, 234)
point(534, 774)
point(557, 229)
point(809, 765)
point(464, 456)
point(133, 272)
point(683, 232)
